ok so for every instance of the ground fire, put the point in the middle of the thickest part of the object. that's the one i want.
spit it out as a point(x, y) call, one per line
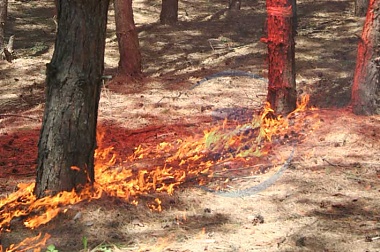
point(193, 160)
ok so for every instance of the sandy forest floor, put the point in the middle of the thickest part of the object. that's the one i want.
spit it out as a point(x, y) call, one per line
point(326, 200)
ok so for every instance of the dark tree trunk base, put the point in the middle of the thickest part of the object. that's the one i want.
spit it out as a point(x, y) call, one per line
point(68, 135)
point(169, 12)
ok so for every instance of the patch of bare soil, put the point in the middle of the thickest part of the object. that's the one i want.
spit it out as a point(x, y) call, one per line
point(326, 199)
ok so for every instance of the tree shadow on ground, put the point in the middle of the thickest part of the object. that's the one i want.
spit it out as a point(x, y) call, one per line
point(33, 26)
point(325, 47)
point(333, 209)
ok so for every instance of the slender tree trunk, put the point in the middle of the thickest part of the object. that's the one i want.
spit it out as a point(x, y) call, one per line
point(129, 49)
point(234, 4)
point(3, 20)
point(169, 12)
point(73, 81)
point(361, 7)
point(281, 53)
point(295, 17)
point(366, 87)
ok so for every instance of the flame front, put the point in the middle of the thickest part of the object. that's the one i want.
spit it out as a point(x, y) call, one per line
point(28, 244)
point(192, 159)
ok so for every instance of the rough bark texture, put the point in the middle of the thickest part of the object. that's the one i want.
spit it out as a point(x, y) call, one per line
point(129, 49)
point(361, 7)
point(366, 86)
point(73, 81)
point(281, 53)
point(3, 20)
point(169, 12)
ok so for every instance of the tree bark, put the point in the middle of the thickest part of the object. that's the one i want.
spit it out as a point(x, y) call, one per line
point(128, 41)
point(169, 12)
point(3, 20)
point(281, 54)
point(295, 17)
point(361, 7)
point(73, 80)
point(366, 86)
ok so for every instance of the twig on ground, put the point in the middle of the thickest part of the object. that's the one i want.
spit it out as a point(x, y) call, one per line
point(330, 163)
point(23, 116)
point(373, 238)
point(169, 97)
point(166, 134)
point(241, 168)
point(354, 177)
point(154, 128)
point(334, 164)
point(355, 164)
point(26, 174)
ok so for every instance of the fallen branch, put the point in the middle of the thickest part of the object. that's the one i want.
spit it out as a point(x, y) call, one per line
point(333, 164)
point(371, 239)
point(22, 116)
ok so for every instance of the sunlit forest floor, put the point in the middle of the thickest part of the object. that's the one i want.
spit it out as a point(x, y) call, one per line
point(326, 200)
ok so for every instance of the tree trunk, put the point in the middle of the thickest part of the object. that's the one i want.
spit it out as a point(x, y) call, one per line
point(281, 53)
point(295, 17)
point(169, 12)
point(127, 37)
point(366, 87)
point(3, 20)
point(361, 7)
point(73, 81)
point(234, 4)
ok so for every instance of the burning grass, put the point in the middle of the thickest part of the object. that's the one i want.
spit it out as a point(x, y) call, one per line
point(193, 160)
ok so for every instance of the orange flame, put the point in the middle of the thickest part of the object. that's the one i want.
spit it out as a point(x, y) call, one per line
point(28, 244)
point(192, 159)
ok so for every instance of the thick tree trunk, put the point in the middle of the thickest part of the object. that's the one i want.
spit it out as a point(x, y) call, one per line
point(366, 87)
point(169, 12)
point(281, 53)
point(361, 7)
point(3, 20)
point(73, 81)
point(129, 49)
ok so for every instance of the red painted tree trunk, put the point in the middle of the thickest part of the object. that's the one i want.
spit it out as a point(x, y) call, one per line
point(366, 87)
point(128, 41)
point(281, 53)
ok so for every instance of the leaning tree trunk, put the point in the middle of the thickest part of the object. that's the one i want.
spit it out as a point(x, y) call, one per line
point(169, 12)
point(73, 81)
point(129, 49)
point(361, 7)
point(3, 20)
point(366, 87)
point(281, 53)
